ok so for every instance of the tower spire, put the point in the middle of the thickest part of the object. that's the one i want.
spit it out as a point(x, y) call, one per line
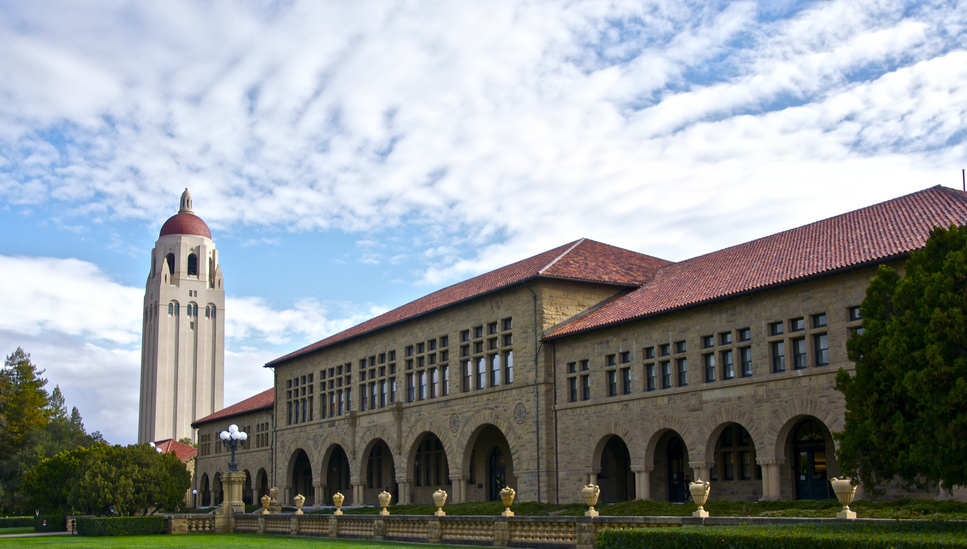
point(186, 202)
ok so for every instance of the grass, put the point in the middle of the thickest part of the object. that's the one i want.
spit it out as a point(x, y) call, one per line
point(20, 530)
point(191, 541)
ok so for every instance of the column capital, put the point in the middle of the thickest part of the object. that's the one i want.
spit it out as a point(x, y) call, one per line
point(643, 469)
point(770, 461)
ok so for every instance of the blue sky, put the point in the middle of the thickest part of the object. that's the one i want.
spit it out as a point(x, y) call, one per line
point(350, 157)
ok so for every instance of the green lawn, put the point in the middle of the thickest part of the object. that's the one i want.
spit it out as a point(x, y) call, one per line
point(21, 530)
point(191, 541)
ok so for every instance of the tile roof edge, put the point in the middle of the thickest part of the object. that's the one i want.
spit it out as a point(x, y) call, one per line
point(210, 419)
point(589, 310)
point(550, 336)
point(577, 243)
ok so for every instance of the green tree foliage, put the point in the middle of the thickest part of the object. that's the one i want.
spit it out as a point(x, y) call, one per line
point(906, 403)
point(128, 479)
point(34, 425)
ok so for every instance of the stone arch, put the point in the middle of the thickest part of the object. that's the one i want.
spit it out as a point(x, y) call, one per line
point(261, 483)
point(416, 433)
point(790, 414)
point(290, 475)
point(715, 423)
point(613, 429)
point(474, 425)
point(204, 491)
point(371, 436)
point(324, 474)
point(658, 428)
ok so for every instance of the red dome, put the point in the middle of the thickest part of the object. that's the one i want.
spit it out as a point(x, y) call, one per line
point(185, 223)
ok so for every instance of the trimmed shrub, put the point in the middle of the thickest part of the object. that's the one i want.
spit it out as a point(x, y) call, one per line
point(16, 522)
point(835, 536)
point(120, 526)
point(50, 523)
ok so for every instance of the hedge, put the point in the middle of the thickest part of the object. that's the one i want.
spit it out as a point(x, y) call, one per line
point(120, 526)
point(50, 523)
point(16, 522)
point(889, 535)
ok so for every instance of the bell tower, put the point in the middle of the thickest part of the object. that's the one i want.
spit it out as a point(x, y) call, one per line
point(183, 330)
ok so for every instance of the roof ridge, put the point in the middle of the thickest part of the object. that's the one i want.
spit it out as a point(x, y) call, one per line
point(558, 258)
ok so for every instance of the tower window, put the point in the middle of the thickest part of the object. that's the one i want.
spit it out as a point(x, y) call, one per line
point(170, 261)
point(192, 264)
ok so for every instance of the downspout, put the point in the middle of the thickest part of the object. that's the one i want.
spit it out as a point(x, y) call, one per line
point(557, 465)
point(537, 394)
point(275, 388)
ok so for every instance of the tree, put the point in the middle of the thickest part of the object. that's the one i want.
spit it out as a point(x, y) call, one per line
point(906, 403)
point(25, 400)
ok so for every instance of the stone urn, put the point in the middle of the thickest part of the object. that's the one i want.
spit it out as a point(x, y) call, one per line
point(699, 490)
point(507, 497)
point(439, 498)
point(845, 492)
point(337, 500)
point(384, 499)
point(266, 500)
point(299, 501)
point(590, 494)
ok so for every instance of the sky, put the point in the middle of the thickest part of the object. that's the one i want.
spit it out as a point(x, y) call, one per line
point(350, 157)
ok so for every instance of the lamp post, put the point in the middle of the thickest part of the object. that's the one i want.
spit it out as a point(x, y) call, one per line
point(194, 497)
point(231, 439)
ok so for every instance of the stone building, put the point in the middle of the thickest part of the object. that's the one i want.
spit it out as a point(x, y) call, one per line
point(183, 341)
point(590, 363)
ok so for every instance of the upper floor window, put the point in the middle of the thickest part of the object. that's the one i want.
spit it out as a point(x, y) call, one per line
point(192, 265)
point(170, 262)
point(855, 313)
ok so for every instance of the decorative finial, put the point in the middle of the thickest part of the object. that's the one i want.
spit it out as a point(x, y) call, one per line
point(186, 202)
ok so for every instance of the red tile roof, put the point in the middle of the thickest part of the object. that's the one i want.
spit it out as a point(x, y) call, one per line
point(583, 259)
point(261, 401)
point(866, 236)
point(185, 223)
point(182, 451)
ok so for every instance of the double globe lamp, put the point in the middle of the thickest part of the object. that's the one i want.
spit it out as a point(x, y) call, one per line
point(231, 438)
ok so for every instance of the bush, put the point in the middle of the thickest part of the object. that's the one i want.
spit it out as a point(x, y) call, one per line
point(831, 535)
point(50, 523)
point(16, 522)
point(120, 526)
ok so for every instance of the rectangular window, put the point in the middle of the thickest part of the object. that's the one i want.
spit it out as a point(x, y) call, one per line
point(855, 313)
point(492, 328)
point(392, 390)
point(648, 353)
point(422, 379)
point(626, 381)
point(477, 331)
point(465, 335)
point(508, 340)
point(799, 353)
point(709, 362)
point(586, 387)
point(745, 334)
point(363, 400)
point(444, 341)
point(382, 393)
point(708, 341)
point(745, 465)
point(666, 374)
point(431, 345)
point(445, 385)
point(410, 388)
point(585, 364)
point(775, 328)
point(728, 466)
point(494, 370)
point(434, 382)
point(467, 375)
point(819, 320)
point(725, 338)
point(572, 385)
point(508, 323)
point(373, 392)
point(680, 346)
point(611, 360)
point(663, 349)
point(745, 355)
point(821, 346)
point(612, 382)
point(341, 402)
point(572, 367)
point(409, 351)
point(778, 356)
point(625, 357)
point(728, 366)
point(650, 377)
point(797, 324)
point(682, 367)
point(508, 366)
point(481, 372)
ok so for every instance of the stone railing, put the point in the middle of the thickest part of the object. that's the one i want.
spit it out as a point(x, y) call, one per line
point(564, 532)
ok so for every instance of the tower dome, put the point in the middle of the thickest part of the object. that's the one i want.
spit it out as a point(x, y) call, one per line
point(185, 221)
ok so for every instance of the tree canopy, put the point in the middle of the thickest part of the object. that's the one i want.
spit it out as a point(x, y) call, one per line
point(906, 402)
point(34, 425)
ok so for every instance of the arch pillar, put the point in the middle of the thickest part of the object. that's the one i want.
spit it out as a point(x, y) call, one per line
point(404, 490)
point(320, 489)
point(643, 481)
point(700, 469)
point(459, 488)
point(771, 485)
